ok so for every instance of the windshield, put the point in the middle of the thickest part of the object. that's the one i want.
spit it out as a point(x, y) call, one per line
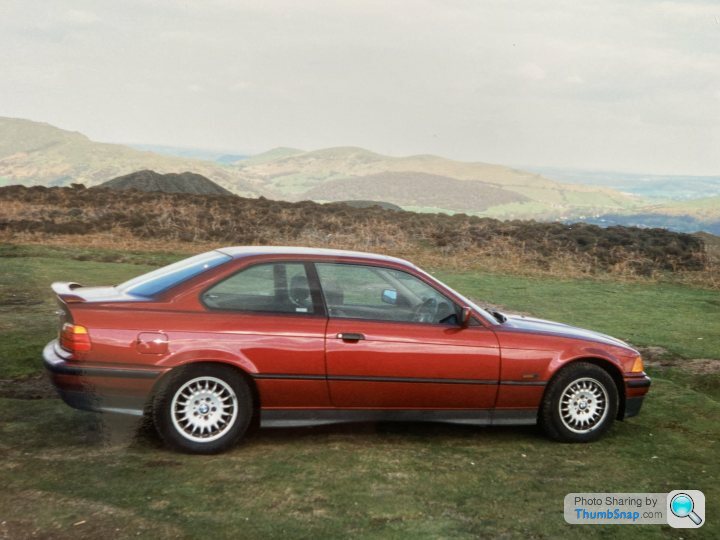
point(159, 280)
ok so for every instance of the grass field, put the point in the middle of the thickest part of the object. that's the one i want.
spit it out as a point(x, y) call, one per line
point(68, 474)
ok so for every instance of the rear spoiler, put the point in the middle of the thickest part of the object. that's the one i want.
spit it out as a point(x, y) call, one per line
point(64, 291)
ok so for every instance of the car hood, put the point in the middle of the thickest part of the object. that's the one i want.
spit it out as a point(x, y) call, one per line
point(532, 324)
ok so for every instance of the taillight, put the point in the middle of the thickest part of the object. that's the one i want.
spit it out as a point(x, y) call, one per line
point(74, 338)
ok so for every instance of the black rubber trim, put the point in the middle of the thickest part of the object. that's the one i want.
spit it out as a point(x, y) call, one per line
point(288, 376)
point(87, 401)
point(420, 380)
point(639, 383)
point(61, 369)
point(524, 383)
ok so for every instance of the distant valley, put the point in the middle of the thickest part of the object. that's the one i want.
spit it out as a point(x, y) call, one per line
point(648, 186)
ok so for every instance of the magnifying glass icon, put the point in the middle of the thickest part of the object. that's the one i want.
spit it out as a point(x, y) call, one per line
point(682, 506)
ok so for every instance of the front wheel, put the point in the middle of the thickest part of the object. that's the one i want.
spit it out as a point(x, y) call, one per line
point(580, 404)
point(204, 409)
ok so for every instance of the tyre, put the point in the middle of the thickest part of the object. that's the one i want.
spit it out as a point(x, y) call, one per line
point(580, 404)
point(203, 409)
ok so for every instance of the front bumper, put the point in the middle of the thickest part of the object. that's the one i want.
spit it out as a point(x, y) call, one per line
point(99, 388)
point(635, 390)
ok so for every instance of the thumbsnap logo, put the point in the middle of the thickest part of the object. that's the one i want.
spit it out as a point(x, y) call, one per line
point(686, 509)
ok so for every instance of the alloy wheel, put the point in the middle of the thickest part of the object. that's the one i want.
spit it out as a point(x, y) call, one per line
point(204, 409)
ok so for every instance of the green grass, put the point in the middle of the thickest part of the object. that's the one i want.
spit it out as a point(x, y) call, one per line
point(67, 473)
point(682, 319)
point(427, 481)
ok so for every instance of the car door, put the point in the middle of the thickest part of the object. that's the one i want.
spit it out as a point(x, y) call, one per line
point(393, 341)
point(269, 314)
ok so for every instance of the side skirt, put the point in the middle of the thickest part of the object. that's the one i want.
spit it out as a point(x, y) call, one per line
point(276, 418)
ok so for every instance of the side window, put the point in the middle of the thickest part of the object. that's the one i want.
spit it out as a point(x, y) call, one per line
point(272, 287)
point(376, 293)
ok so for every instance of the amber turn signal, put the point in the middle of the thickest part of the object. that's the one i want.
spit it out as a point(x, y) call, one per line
point(637, 366)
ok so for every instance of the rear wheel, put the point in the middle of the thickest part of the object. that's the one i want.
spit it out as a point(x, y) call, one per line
point(580, 404)
point(203, 409)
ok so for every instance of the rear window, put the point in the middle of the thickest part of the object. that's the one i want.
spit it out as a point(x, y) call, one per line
point(163, 278)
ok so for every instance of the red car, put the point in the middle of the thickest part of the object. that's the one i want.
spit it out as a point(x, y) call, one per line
point(295, 336)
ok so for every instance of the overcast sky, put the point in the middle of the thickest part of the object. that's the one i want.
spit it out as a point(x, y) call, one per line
point(619, 85)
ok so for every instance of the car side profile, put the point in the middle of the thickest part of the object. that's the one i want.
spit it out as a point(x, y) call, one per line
point(297, 336)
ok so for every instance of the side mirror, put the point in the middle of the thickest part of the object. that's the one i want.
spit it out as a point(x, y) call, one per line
point(389, 296)
point(465, 315)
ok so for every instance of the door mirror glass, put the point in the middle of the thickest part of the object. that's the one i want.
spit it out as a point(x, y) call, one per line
point(465, 315)
point(389, 296)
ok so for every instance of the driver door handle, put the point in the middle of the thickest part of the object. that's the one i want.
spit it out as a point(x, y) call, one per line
point(345, 336)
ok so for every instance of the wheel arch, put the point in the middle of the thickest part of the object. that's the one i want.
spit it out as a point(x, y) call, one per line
point(603, 363)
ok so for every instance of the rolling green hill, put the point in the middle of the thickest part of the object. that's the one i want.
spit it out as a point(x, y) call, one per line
point(704, 209)
point(326, 173)
point(417, 190)
point(34, 153)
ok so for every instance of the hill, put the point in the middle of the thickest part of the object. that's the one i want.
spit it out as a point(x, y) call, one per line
point(186, 182)
point(416, 190)
point(297, 175)
point(34, 153)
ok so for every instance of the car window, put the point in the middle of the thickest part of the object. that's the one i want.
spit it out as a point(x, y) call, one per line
point(159, 280)
point(376, 293)
point(272, 287)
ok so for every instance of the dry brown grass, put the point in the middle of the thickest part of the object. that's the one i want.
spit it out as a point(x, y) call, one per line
point(506, 261)
point(136, 221)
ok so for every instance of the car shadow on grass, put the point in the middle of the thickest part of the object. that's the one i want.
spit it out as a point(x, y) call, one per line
point(45, 424)
point(140, 434)
point(372, 431)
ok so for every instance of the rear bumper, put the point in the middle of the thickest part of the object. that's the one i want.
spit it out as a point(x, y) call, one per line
point(99, 388)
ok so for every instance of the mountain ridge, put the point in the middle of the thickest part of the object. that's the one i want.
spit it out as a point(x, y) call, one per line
point(35, 153)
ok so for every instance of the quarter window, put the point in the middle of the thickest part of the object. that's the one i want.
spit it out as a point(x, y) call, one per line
point(376, 293)
point(272, 287)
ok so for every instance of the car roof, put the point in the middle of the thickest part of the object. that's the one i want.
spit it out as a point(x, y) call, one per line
point(246, 251)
